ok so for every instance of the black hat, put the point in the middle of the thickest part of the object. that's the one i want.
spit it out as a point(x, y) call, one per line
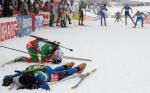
point(27, 79)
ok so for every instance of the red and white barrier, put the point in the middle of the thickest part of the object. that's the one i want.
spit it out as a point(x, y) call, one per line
point(36, 21)
point(147, 20)
point(46, 18)
point(8, 28)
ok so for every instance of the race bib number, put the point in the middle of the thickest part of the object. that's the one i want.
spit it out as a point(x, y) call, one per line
point(54, 77)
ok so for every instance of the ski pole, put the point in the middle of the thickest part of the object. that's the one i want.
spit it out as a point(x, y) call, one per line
point(19, 50)
point(66, 48)
point(76, 58)
point(46, 41)
point(14, 49)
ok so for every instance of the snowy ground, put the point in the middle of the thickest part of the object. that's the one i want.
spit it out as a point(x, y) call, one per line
point(120, 53)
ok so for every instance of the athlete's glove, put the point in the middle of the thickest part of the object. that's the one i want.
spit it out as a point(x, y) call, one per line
point(7, 80)
point(45, 86)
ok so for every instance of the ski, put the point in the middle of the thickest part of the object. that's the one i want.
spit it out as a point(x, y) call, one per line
point(65, 57)
point(7, 63)
point(74, 76)
point(12, 61)
point(76, 58)
point(82, 77)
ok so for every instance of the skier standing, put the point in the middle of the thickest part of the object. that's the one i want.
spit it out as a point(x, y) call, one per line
point(139, 18)
point(118, 17)
point(103, 14)
point(127, 13)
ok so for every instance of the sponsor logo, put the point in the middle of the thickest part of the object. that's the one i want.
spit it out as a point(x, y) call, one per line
point(8, 30)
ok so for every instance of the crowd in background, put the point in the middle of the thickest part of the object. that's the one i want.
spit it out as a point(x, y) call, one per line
point(60, 8)
point(23, 7)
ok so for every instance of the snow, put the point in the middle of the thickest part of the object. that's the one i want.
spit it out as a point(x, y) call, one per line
point(141, 0)
point(120, 54)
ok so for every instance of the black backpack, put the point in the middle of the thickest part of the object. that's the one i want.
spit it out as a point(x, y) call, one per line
point(28, 81)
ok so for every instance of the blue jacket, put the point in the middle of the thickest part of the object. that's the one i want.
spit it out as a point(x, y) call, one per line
point(43, 77)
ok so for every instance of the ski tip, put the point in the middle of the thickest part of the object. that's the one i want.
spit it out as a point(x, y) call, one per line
point(73, 87)
point(87, 60)
point(94, 70)
point(90, 60)
point(71, 50)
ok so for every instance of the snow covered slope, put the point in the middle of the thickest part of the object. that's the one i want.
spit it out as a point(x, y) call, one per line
point(120, 53)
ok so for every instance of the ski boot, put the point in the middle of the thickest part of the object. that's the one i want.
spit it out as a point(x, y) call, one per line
point(69, 21)
point(18, 59)
point(63, 23)
point(69, 65)
point(134, 26)
point(81, 67)
point(79, 23)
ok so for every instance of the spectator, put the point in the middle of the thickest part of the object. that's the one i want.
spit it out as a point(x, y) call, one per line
point(68, 10)
point(63, 14)
point(71, 2)
point(1, 4)
point(15, 3)
point(29, 6)
point(1, 8)
point(82, 6)
point(60, 4)
point(19, 5)
point(36, 7)
point(46, 7)
point(24, 8)
point(7, 8)
point(41, 4)
point(52, 15)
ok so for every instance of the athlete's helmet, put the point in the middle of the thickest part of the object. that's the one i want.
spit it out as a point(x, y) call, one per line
point(59, 54)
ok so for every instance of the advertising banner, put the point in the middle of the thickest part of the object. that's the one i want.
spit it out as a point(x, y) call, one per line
point(25, 25)
point(37, 21)
point(8, 30)
point(147, 20)
point(46, 18)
